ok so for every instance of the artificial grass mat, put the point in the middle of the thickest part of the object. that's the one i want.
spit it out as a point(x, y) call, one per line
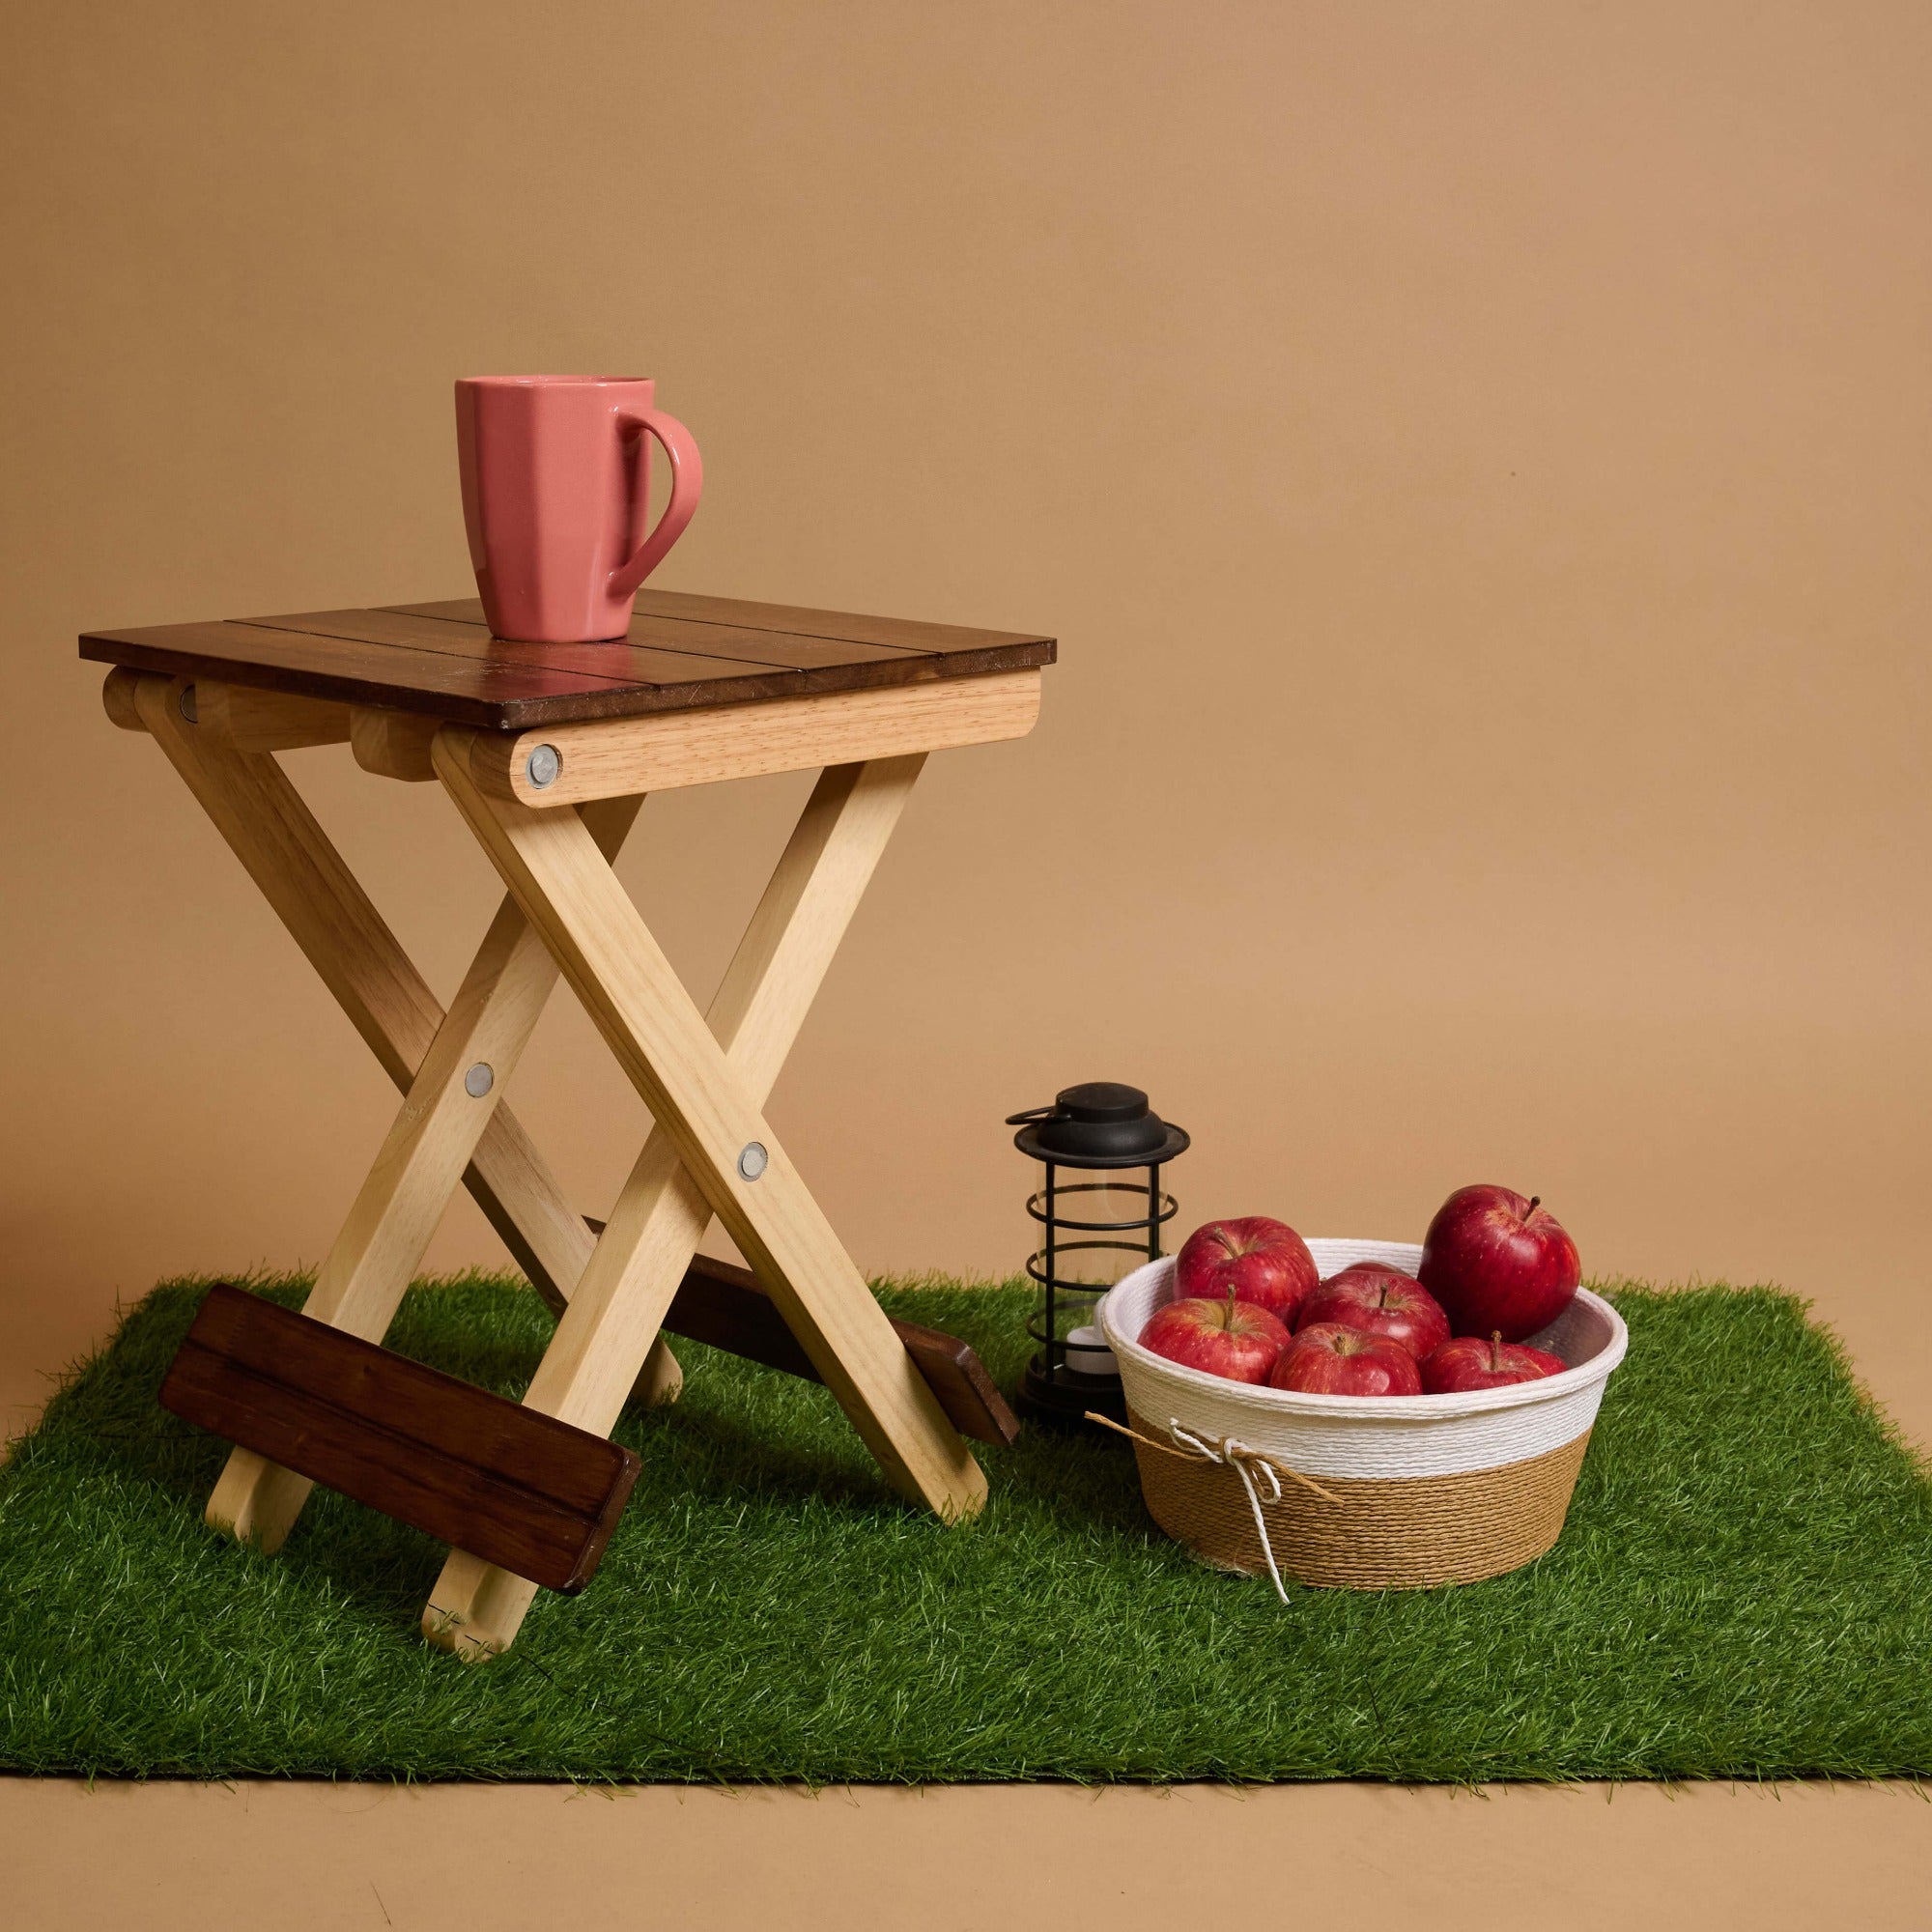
point(1744, 1589)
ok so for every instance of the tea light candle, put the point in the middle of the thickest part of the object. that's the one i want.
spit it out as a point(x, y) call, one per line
point(1087, 1354)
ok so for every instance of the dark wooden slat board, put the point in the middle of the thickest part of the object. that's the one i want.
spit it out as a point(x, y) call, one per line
point(907, 633)
point(521, 1489)
point(958, 1379)
point(461, 690)
point(682, 653)
point(797, 620)
point(657, 650)
point(620, 664)
point(724, 1306)
point(792, 635)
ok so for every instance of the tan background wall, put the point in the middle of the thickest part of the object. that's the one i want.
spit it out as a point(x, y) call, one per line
point(1474, 459)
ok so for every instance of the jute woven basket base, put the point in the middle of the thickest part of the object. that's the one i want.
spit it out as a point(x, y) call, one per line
point(1381, 1533)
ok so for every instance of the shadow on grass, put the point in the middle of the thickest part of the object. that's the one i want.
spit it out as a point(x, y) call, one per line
point(742, 1435)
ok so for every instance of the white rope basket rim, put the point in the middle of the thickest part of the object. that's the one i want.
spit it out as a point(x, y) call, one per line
point(1403, 1410)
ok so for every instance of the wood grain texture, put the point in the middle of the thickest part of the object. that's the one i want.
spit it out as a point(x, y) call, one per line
point(453, 1461)
point(785, 620)
point(248, 719)
point(619, 663)
point(666, 751)
point(421, 1162)
point(265, 824)
point(116, 699)
point(682, 653)
point(394, 744)
point(347, 673)
point(662, 1212)
point(656, 650)
point(617, 970)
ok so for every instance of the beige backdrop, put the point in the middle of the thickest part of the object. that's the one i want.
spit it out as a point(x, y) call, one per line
point(1475, 462)
point(1474, 458)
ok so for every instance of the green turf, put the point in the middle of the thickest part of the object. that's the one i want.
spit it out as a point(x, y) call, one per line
point(1744, 1589)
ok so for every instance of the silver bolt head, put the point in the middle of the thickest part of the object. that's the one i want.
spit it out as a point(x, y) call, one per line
point(752, 1159)
point(479, 1080)
point(542, 766)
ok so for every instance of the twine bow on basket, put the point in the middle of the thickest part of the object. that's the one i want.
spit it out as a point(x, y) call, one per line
point(1229, 1454)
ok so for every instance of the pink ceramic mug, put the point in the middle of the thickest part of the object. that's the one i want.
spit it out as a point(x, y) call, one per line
point(556, 474)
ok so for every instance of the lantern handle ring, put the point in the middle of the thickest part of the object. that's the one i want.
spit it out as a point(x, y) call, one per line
point(1031, 1114)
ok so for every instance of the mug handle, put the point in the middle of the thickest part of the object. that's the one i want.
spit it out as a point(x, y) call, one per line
point(687, 482)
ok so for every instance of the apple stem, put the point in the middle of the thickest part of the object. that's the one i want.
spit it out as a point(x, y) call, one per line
point(1496, 1352)
point(1228, 1320)
point(1535, 1202)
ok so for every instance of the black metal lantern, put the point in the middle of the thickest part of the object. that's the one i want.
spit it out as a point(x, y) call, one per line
point(1101, 1127)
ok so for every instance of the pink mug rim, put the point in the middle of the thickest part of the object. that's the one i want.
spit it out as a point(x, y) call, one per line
point(547, 382)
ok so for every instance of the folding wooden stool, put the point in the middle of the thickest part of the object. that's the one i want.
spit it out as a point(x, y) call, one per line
point(547, 751)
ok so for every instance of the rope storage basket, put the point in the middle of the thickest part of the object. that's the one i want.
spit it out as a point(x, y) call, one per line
point(1365, 1492)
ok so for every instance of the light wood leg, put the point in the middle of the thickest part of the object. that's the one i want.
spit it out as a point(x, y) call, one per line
point(662, 1214)
point(362, 1280)
point(246, 720)
point(274, 834)
point(555, 873)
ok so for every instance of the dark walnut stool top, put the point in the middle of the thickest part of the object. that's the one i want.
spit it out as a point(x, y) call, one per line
point(682, 653)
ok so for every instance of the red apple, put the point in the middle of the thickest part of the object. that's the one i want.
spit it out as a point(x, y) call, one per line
point(1225, 1337)
point(1379, 1300)
point(1498, 1261)
point(1472, 1363)
point(1256, 1259)
point(1330, 1359)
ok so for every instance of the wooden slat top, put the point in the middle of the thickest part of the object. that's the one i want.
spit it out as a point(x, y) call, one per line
point(682, 652)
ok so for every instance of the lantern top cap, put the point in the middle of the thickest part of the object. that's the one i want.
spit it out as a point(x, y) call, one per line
point(1097, 1124)
point(1102, 1100)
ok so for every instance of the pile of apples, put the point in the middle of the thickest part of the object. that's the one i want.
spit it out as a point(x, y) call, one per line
point(1496, 1267)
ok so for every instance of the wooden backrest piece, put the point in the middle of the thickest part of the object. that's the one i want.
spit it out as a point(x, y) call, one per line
point(518, 1488)
point(724, 1306)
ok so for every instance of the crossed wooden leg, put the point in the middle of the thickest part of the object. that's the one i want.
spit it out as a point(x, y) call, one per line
point(444, 1131)
point(360, 1285)
point(705, 1084)
point(663, 1211)
point(263, 820)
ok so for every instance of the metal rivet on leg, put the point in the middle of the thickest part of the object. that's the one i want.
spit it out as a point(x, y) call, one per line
point(186, 704)
point(752, 1159)
point(479, 1080)
point(542, 766)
